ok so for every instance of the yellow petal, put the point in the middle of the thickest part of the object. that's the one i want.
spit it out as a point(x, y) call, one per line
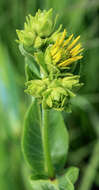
point(57, 58)
point(76, 48)
point(54, 51)
point(73, 43)
point(56, 44)
point(58, 53)
point(77, 52)
point(62, 38)
point(67, 41)
point(70, 60)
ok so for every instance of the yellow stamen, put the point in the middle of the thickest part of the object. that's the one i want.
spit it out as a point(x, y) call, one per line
point(73, 43)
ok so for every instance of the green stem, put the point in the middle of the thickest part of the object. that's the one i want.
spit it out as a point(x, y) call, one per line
point(47, 155)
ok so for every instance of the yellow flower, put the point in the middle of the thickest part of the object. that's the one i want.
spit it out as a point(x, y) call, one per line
point(65, 52)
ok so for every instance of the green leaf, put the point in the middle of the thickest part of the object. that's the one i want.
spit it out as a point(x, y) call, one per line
point(72, 173)
point(63, 182)
point(41, 62)
point(31, 69)
point(68, 178)
point(58, 139)
point(43, 185)
point(33, 140)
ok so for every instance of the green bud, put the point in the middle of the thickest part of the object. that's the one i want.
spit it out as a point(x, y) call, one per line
point(39, 42)
point(36, 28)
point(54, 98)
point(44, 23)
point(26, 38)
point(56, 35)
point(55, 93)
point(36, 88)
point(58, 96)
point(71, 82)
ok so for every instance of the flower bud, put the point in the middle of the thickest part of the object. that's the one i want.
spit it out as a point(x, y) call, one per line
point(35, 88)
point(56, 35)
point(39, 42)
point(44, 23)
point(59, 93)
point(26, 38)
point(55, 98)
point(56, 93)
point(37, 28)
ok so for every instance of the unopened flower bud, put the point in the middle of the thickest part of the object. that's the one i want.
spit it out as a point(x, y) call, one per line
point(54, 94)
point(44, 23)
point(35, 88)
point(26, 38)
point(54, 98)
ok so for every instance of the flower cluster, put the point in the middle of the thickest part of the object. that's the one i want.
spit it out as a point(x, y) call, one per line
point(55, 53)
point(37, 29)
point(56, 93)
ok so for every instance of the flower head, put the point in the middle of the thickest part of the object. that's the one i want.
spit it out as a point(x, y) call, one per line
point(66, 51)
point(54, 94)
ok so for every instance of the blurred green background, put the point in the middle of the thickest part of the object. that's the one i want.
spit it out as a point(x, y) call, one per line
point(77, 16)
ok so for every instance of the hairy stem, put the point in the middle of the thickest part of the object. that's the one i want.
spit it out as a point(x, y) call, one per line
point(48, 163)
